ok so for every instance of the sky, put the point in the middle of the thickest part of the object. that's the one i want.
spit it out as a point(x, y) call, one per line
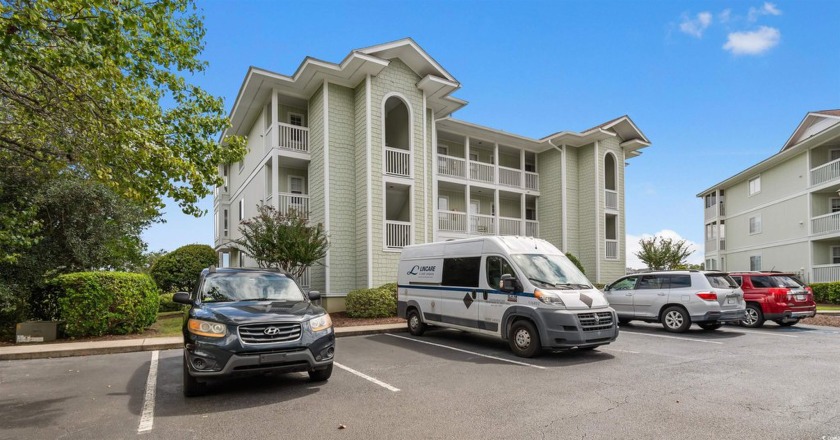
point(717, 86)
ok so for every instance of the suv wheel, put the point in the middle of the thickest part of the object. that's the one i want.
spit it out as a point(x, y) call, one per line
point(784, 323)
point(675, 319)
point(623, 321)
point(321, 375)
point(710, 325)
point(755, 318)
point(415, 324)
point(523, 339)
point(192, 387)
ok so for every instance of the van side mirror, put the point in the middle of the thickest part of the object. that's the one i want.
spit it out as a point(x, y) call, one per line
point(508, 283)
point(314, 295)
point(607, 288)
point(182, 298)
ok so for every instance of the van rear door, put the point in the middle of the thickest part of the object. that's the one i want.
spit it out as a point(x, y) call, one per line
point(460, 290)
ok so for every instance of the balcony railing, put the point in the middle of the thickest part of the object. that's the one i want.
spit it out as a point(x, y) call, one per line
point(451, 166)
point(397, 162)
point(825, 224)
point(532, 180)
point(510, 177)
point(722, 244)
point(296, 202)
point(293, 137)
point(532, 228)
point(450, 221)
point(612, 249)
point(482, 224)
point(482, 172)
point(397, 234)
point(826, 273)
point(826, 172)
point(611, 199)
point(510, 226)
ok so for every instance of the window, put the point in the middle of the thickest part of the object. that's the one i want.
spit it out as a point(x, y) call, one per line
point(225, 223)
point(297, 185)
point(710, 231)
point(653, 282)
point(443, 149)
point(530, 214)
point(833, 155)
point(755, 225)
point(267, 117)
point(738, 280)
point(835, 255)
point(461, 272)
point(755, 262)
point(530, 167)
point(755, 185)
point(496, 267)
point(679, 281)
point(443, 203)
point(474, 157)
point(834, 205)
point(628, 283)
point(241, 209)
point(296, 119)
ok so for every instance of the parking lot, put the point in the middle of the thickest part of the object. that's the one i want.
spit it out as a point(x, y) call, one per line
point(732, 383)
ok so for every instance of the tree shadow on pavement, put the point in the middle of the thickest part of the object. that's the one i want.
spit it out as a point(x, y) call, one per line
point(29, 414)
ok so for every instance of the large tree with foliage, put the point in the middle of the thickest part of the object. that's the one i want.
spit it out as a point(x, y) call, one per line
point(282, 241)
point(102, 88)
point(660, 253)
point(179, 269)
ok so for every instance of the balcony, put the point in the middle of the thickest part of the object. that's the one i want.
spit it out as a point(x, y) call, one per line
point(293, 202)
point(456, 222)
point(482, 224)
point(397, 162)
point(510, 226)
point(449, 166)
point(532, 228)
point(611, 199)
point(287, 137)
point(825, 173)
point(482, 172)
point(450, 221)
point(826, 273)
point(826, 224)
point(532, 181)
point(397, 234)
point(611, 249)
point(510, 177)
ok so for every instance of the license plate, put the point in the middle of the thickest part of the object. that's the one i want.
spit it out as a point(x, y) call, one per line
point(732, 300)
point(271, 358)
point(801, 297)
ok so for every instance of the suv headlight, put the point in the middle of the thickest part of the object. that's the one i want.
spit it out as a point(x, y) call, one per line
point(322, 322)
point(207, 328)
point(549, 298)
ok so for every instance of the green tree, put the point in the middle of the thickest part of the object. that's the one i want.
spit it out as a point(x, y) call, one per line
point(101, 88)
point(179, 269)
point(576, 262)
point(283, 241)
point(660, 253)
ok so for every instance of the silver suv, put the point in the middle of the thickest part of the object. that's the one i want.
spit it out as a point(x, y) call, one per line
point(677, 299)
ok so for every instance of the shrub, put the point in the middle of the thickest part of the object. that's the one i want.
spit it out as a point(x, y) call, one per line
point(179, 269)
point(826, 293)
point(167, 305)
point(100, 303)
point(12, 309)
point(379, 302)
point(576, 262)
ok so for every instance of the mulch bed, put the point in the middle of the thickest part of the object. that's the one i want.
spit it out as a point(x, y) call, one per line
point(340, 319)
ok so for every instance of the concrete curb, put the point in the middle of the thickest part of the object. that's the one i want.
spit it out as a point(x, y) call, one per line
point(829, 312)
point(68, 349)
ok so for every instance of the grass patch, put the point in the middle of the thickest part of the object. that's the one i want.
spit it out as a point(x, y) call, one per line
point(168, 324)
point(828, 307)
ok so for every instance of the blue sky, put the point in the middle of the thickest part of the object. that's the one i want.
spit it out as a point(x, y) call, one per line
point(716, 85)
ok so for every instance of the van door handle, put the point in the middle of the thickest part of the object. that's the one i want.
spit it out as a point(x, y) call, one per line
point(628, 294)
point(485, 295)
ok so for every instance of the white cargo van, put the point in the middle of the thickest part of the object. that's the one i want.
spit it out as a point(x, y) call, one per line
point(521, 289)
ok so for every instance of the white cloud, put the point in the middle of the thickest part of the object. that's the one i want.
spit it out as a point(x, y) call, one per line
point(697, 25)
point(633, 247)
point(753, 43)
point(725, 16)
point(766, 9)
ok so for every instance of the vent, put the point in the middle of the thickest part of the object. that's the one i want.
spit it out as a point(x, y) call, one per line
point(270, 333)
point(596, 321)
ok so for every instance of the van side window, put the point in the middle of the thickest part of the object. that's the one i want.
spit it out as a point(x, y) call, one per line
point(461, 272)
point(496, 267)
point(680, 281)
point(652, 282)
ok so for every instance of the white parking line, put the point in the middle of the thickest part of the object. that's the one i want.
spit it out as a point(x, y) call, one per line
point(673, 337)
point(758, 332)
point(366, 377)
point(617, 350)
point(468, 352)
point(147, 419)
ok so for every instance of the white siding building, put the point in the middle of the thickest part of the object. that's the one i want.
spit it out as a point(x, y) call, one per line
point(369, 148)
point(784, 212)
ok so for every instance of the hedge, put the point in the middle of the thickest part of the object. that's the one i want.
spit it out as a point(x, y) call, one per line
point(179, 269)
point(106, 303)
point(167, 305)
point(380, 302)
point(826, 293)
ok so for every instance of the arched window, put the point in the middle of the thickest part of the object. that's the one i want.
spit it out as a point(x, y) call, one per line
point(610, 172)
point(397, 137)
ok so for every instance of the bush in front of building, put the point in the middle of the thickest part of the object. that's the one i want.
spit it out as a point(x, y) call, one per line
point(179, 269)
point(379, 302)
point(167, 305)
point(106, 303)
point(826, 293)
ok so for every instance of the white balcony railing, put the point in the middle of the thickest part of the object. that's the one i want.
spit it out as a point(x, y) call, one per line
point(451, 166)
point(297, 202)
point(397, 234)
point(532, 228)
point(482, 224)
point(532, 180)
point(397, 162)
point(510, 226)
point(612, 249)
point(827, 223)
point(482, 172)
point(826, 273)
point(710, 212)
point(610, 199)
point(826, 172)
point(451, 221)
point(510, 177)
point(293, 137)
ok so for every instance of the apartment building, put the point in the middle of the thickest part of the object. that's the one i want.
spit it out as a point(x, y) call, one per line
point(784, 212)
point(369, 148)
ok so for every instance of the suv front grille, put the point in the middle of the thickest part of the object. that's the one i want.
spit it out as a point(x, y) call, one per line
point(261, 333)
point(596, 321)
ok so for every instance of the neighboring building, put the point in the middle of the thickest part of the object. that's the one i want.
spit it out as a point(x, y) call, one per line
point(784, 212)
point(368, 148)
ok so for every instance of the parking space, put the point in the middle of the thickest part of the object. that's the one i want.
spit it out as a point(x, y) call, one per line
point(757, 383)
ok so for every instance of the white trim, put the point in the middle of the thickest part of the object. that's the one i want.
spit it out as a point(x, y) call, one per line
point(435, 182)
point(565, 217)
point(327, 180)
point(241, 215)
point(749, 185)
point(368, 146)
point(598, 217)
point(410, 130)
point(615, 169)
point(758, 223)
point(425, 175)
point(768, 245)
point(289, 184)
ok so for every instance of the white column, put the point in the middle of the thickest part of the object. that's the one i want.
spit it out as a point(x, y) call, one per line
point(564, 214)
point(467, 209)
point(434, 180)
point(522, 171)
point(275, 179)
point(327, 181)
point(496, 210)
point(275, 129)
point(496, 163)
point(599, 246)
point(425, 175)
point(522, 212)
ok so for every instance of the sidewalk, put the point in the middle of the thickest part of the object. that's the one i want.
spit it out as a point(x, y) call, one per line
point(67, 349)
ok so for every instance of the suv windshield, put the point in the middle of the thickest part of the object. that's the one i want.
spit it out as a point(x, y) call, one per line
point(721, 281)
point(551, 271)
point(249, 286)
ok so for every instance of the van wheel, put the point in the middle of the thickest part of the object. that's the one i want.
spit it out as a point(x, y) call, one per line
point(675, 319)
point(787, 323)
point(710, 325)
point(192, 387)
point(320, 375)
point(755, 318)
point(623, 321)
point(523, 339)
point(415, 324)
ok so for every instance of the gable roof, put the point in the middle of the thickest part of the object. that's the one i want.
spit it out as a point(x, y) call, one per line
point(813, 124)
point(411, 54)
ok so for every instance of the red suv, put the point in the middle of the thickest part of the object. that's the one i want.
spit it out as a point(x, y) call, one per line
point(779, 297)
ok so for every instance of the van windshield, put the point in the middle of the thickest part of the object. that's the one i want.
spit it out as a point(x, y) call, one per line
point(551, 271)
point(249, 286)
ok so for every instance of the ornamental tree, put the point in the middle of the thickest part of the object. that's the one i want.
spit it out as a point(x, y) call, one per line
point(660, 253)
